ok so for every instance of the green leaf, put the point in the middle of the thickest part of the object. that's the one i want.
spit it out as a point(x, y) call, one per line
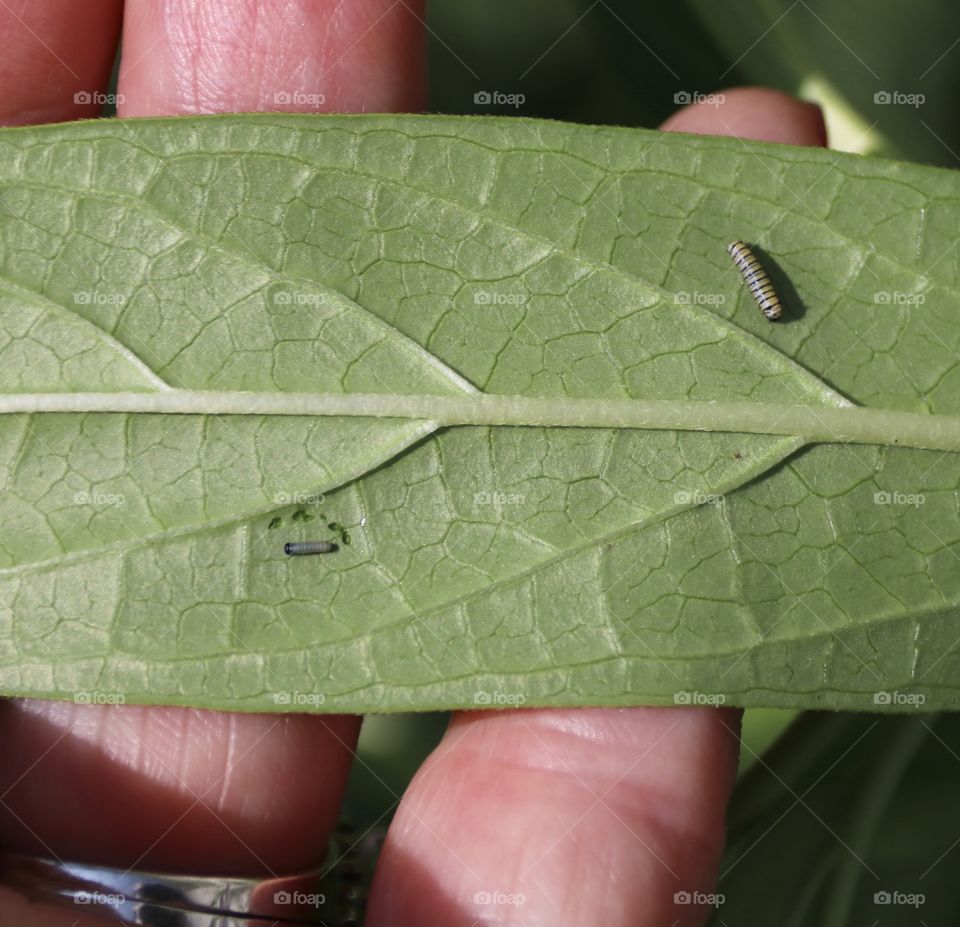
point(508, 368)
point(849, 819)
point(655, 63)
point(883, 72)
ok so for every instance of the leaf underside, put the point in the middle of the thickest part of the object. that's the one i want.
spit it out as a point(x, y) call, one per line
point(141, 556)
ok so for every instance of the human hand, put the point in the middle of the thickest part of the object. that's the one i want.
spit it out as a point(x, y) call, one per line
point(590, 816)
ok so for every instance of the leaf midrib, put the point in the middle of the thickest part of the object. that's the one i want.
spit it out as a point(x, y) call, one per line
point(817, 424)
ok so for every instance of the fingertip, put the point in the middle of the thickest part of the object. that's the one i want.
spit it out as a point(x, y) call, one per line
point(56, 59)
point(206, 56)
point(759, 113)
point(527, 807)
point(178, 789)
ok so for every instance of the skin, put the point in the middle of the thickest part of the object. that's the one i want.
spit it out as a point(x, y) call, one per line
point(593, 816)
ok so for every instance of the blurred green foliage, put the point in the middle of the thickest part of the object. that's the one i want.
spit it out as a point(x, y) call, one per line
point(633, 63)
point(850, 819)
point(390, 750)
point(608, 62)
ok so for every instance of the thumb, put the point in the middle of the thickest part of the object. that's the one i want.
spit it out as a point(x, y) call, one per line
point(753, 112)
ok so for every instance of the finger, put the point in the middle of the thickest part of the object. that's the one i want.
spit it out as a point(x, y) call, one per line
point(753, 112)
point(191, 790)
point(588, 817)
point(57, 58)
point(173, 789)
point(200, 56)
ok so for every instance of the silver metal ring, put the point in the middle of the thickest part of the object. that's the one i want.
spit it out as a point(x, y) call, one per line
point(332, 894)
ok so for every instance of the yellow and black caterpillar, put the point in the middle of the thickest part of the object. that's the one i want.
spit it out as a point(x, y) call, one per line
point(757, 280)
